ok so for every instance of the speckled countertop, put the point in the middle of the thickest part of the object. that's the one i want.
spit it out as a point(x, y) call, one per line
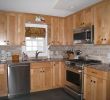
point(102, 67)
point(30, 61)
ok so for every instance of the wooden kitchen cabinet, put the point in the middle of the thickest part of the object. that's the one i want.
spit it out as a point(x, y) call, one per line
point(41, 76)
point(12, 29)
point(3, 28)
point(20, 39)
point(83, 18)
point(3, 80)
point(68, 30)
point(102, 23)
point(58, 74)
point(96, 84)
point(57, 31)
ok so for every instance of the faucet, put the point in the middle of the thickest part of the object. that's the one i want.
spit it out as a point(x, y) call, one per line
point(37, 53)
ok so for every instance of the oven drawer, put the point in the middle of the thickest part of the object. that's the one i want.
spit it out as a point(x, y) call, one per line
point(95, 72)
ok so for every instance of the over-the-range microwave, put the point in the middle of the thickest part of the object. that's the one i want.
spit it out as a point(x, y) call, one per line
point(84, 35)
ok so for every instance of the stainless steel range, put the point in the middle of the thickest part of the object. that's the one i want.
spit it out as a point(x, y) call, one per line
point(74, 84)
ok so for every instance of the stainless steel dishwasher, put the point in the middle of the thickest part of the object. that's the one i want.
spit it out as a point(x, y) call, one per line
point(18, 79)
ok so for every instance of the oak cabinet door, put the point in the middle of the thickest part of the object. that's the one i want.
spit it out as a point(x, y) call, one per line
point(102, 23)
point(3, 80)
point(54, 30)
point(36, 79)
point(47, 78)
point(11, 28)
point(68, 30)
point(3, 28)
point(20, 38)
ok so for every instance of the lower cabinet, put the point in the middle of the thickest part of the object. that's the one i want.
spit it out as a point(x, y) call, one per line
point(3, 80)
point(96, 84)
point(58, 74)
point(46, 75)
point(41, 76)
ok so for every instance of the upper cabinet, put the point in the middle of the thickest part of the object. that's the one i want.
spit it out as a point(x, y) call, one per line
point(68, 30)
point(57, 31)
point(83, 18)
point(3, 28)
point(11, 29)
point(102, 23)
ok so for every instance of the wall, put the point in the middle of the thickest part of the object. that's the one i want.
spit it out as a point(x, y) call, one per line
point(7, 51)
point(101, 52)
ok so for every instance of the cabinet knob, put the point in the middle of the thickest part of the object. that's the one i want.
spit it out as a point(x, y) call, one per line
point(104, 39)
point(91, 80)
point(94, 81)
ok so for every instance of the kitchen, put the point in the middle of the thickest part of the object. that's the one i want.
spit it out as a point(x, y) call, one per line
point(50, 64)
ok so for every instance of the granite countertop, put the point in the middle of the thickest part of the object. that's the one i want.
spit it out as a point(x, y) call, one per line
point(102, 67)
point(30, 61)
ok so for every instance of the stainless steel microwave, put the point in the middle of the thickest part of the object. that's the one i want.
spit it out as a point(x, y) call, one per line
point(84, 35)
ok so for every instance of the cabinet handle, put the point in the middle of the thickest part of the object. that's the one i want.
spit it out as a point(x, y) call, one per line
point(94, 81)
point(91, 80)
point(104, 39)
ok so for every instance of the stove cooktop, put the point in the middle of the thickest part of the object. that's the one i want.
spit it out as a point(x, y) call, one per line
point(82, 62)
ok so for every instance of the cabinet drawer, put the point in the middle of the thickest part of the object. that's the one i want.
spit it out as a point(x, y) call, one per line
point(40, 64)
point(96, 73)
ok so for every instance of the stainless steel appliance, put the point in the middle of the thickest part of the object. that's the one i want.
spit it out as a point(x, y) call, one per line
point(18, 79)
point(75, 76)
point(74, 80)
point(84, 35)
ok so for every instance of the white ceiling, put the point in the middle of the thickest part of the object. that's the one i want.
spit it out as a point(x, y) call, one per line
point(48, 7)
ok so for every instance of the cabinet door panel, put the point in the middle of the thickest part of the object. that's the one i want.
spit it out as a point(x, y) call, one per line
point(11, 28)
point(47, 77)
point(20, 38)
point(102, 23)
point(3, 28)
point(68, 30)
point(3, 80)
point(36, 79)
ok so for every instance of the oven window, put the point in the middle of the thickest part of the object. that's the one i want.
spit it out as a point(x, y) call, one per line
point(73, 77)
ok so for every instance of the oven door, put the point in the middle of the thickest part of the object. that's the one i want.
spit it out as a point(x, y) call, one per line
point(73, 84)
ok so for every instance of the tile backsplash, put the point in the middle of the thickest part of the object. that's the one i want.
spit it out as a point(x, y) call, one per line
point(7, 51)
point(97, 51)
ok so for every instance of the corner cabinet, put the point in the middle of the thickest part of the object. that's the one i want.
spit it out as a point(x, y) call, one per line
point(3, 80)
point(41, 76)
point(68, 30)
point(96, 84)
point(57, 31)
point(102, 22)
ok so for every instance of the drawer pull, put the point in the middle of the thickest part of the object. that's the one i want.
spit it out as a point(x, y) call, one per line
point(94, 81)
